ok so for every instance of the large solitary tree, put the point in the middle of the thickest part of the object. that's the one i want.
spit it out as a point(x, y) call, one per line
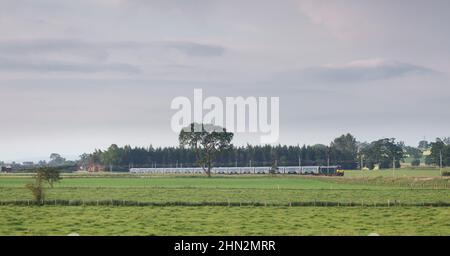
point(206, 140)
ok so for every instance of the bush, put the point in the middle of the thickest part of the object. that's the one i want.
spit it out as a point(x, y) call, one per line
point(446, 173)
point(49, 175)
point(415, 162)
point(37, 190)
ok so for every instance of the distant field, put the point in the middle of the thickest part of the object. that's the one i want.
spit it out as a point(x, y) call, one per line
point(286, 182)
point(264, 189)
point(403, 172)
point(352, 180)
point(60, 220)
point(369, 187)
point(149, 194)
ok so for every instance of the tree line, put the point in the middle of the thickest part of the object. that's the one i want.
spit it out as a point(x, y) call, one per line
point(345, 151)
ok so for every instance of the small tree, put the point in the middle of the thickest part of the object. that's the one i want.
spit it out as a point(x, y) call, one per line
point(49, 175)
point(45, 174)
point(36, 189)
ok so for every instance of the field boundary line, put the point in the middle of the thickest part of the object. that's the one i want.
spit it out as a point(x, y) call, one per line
point(315, 203)
point(380, 188)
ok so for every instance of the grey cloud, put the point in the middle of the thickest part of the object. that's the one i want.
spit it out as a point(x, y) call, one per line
point(354, 72)
point(64, 66)
point(43, 50)
point(179, 45)
point(41, 45)
point(193, 7)
point(188, 48)
point(38, 54)
point(195, 49)
point(100, 49)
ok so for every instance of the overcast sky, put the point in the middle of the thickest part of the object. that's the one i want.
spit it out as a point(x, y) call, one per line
point(80, 75)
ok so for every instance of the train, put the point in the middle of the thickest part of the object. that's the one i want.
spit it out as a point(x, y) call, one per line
point(300, 170)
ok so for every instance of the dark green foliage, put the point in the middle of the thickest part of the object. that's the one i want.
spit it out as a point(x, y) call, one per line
point(44, 174)
point(438, 148)
point(341, 152)
point(56, 160)
point(423, 145)
point(344, 152)
point(413, 152)
point(49, 175)
point(384, 153)
point(206, 140)
point(415, 162)
point(37, 190)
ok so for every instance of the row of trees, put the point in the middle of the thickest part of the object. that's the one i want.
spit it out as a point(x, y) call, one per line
point(211, 148)
point(345, 151)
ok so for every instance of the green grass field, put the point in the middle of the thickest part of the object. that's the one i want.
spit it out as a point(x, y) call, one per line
point(264, 182)
point(238, 195)
point(374, 187)
point(404, 172)
point(99, 220)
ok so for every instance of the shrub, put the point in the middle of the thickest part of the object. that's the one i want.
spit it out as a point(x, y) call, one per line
point(446, 173)
point(415, 162)
point(49, 175)
point(37, 190)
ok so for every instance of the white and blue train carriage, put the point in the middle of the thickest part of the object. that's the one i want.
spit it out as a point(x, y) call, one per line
point(299, 170)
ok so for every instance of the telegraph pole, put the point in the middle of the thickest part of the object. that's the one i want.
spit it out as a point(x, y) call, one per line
point(362, 163)
point(393, 167)
point(328, 159)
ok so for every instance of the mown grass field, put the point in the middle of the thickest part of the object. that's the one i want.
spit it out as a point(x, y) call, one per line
point(408, 186)
point(99, 220)
point(144, 194)
point(404, 172)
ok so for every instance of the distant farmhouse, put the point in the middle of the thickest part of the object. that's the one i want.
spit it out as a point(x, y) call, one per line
point(95, 168)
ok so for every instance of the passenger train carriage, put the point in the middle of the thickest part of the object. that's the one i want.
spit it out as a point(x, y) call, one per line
point(300, 170)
